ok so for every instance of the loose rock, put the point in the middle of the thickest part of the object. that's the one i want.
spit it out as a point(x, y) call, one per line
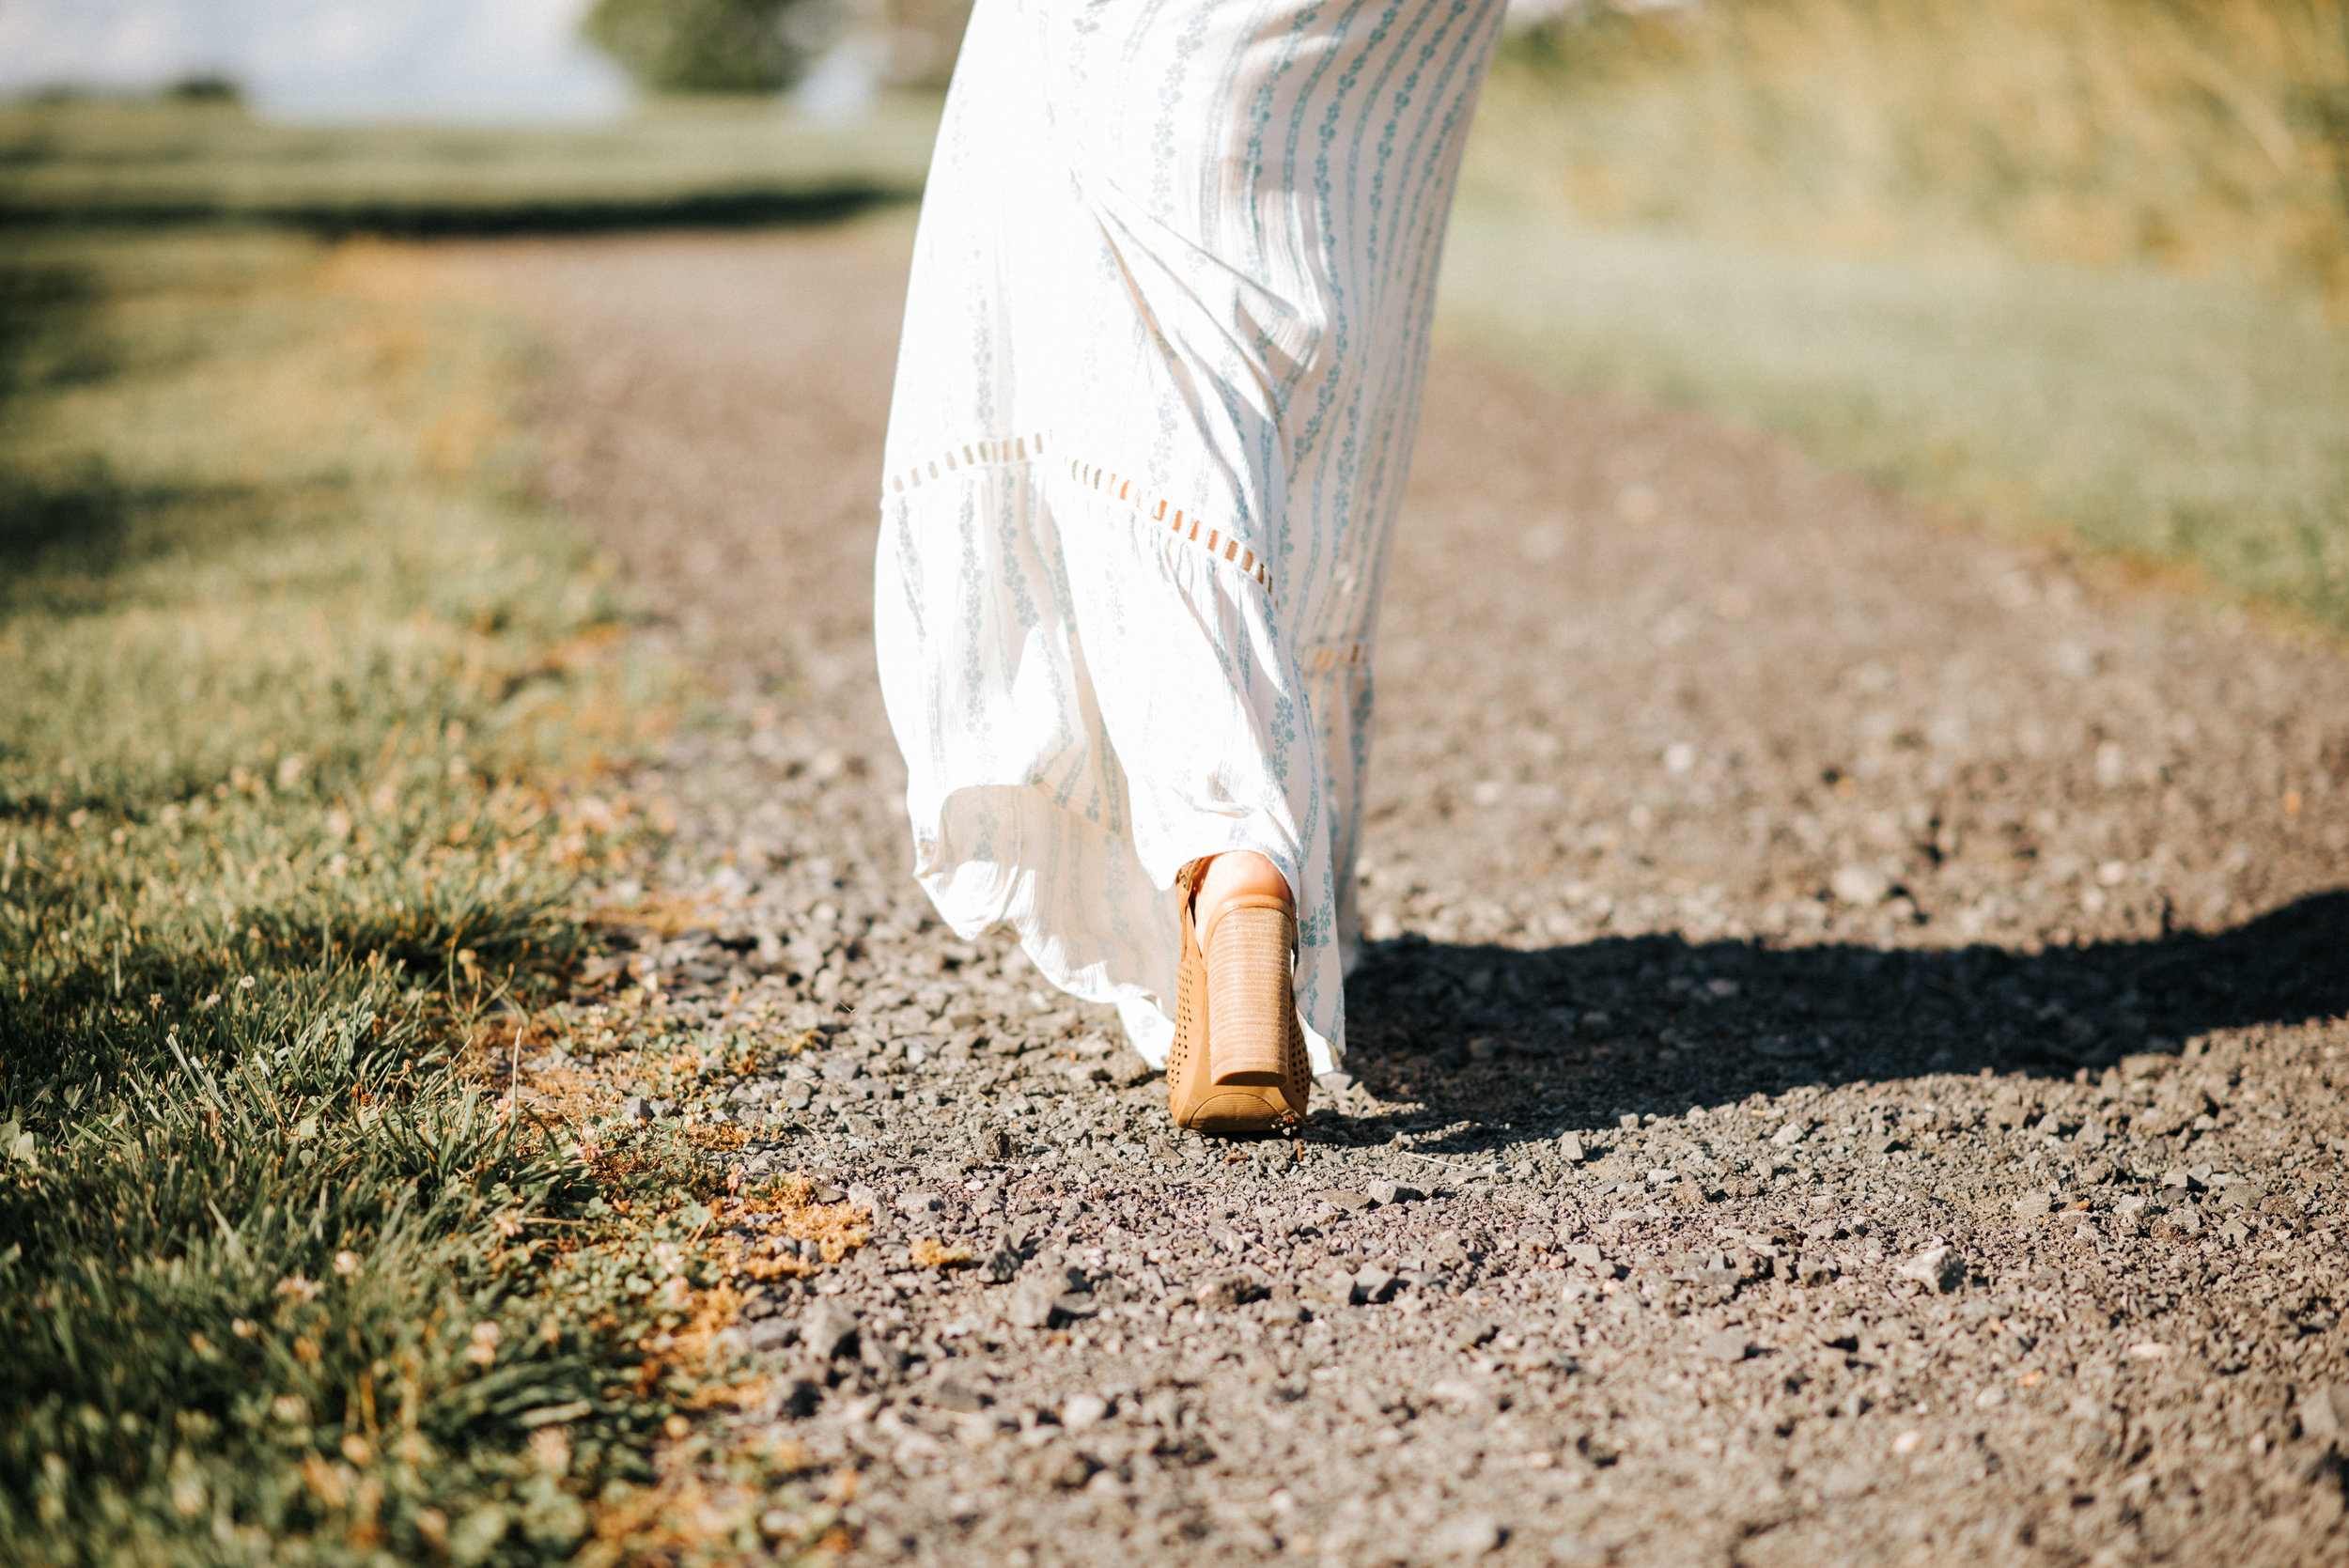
point(1937, 1268)
point(2324, 1414)
point(829, 1329)
point(1032, 1302)
point(1232, 1290)
point(1465, 1535)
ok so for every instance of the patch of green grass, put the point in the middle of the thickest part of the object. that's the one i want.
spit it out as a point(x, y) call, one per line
point(302, 697)
point(2198, 424)
point(701, 162)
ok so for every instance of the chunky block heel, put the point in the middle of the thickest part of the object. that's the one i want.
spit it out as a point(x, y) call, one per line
point(1249, 992)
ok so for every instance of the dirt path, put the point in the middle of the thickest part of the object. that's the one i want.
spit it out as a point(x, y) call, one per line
point(1773, 891)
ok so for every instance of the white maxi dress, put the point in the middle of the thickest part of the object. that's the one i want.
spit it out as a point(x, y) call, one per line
point(1156, 393)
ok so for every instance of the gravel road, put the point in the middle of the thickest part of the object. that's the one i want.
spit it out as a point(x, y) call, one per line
point(1846, 1070)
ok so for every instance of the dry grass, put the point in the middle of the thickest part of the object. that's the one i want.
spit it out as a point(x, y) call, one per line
point(2207, 135)
point(748, 1502)
point(786, 1210)
point(929, 1252)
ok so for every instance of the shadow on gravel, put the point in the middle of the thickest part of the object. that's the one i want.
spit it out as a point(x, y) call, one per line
point(1503, 1036)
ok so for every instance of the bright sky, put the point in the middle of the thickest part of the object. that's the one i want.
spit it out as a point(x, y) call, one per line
point(324, 59)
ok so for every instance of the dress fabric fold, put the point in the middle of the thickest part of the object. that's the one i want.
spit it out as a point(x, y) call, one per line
point(1154, 401)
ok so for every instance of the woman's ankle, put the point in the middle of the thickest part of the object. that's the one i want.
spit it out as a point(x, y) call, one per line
point(1234, 874)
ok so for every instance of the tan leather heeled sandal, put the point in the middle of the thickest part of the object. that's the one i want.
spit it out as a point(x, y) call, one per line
point(1238, 1062)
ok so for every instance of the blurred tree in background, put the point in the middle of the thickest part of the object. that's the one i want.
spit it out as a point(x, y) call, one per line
point(710, 46)
point(923, 37)
point(735, 46)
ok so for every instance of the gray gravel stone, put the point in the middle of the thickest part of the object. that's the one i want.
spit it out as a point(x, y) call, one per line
point(1233, 1290)
point(2324, 1414)
point(1863, 885)
point(1470, 1333)
point(827, 1330)
point(1057, 1467)
point(1032, 1302)
point(1464, 1536)
point(955, 1395)
point(1937, 1268)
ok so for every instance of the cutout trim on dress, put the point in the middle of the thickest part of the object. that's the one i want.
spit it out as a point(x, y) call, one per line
point(1159, 509)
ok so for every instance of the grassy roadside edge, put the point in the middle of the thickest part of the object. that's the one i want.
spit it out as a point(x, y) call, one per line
point(306, 760)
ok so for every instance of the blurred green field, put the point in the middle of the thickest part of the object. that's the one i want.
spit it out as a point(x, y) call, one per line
point(2029, 265)
point(713, 162)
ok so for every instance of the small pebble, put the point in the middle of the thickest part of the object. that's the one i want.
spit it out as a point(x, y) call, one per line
point(2324, 1412)
point(1465, 1535)
point(827, 1330)
point(1937, 1268)
point(954, 1394)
